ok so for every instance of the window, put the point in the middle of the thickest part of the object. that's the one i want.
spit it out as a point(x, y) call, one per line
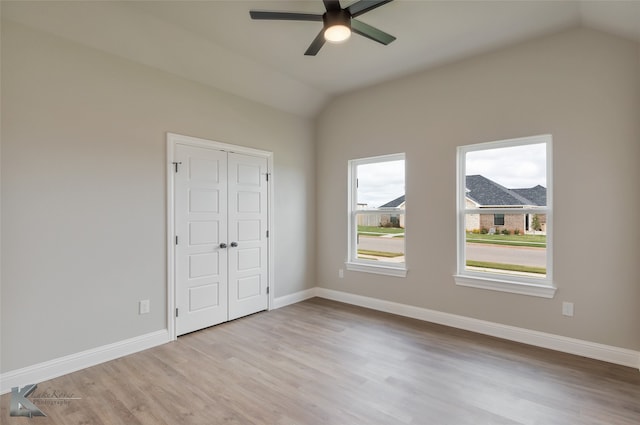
point(505, 216)
point(377, 215)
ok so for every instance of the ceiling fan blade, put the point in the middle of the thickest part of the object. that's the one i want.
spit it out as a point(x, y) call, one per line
point(370, 32)
point(331, 5)
point(316, 44)
point(363, 6)
point(285, 16)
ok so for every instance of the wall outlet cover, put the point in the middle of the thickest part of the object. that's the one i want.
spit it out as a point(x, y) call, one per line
point(144, 307)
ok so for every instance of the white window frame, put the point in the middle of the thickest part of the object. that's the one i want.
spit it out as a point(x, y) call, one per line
point(354, 263)
point(540, 287)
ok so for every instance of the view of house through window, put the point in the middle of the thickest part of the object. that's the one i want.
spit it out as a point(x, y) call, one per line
point(377, 211)
point(505, 209)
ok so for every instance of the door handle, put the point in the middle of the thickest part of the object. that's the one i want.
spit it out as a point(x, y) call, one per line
point(234, 244)
point(223, 245)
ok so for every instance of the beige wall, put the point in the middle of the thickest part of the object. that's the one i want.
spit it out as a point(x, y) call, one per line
point(84, 193)
point(581, 86)
point(83, 184)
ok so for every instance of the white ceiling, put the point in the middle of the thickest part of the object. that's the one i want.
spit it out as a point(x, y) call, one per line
point(217, 44)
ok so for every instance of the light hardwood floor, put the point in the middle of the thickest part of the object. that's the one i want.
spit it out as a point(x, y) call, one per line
point(322, 362)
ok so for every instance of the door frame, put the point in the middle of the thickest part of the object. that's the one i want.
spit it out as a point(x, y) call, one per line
point(174, 139)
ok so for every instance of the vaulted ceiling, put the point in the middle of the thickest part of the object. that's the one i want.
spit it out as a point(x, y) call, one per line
point(217, 44)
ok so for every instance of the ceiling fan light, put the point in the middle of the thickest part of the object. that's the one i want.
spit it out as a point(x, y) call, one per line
point(337, 33)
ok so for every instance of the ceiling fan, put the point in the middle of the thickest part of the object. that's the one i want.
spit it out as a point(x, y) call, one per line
point(338, 23)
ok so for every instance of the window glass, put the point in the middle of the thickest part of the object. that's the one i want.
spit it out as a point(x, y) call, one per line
point(377, 211)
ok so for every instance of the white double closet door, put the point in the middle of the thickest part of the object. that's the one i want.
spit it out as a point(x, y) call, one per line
point(220, 207)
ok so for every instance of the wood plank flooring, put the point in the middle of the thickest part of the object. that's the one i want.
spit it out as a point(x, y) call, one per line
point(321, 362)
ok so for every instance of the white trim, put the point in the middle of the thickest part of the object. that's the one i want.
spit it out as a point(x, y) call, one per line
point(296, 297)
point(174, 139)
point(171, 247)
point(376, 269)
point(61, 366)
point(206, 143)
point(506, 285)
point(271, 253)
point(607, 353)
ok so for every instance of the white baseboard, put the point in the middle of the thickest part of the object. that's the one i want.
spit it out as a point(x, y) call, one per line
point(296, 297)
point(73, 362)
point(607, 353)
point(61, 366)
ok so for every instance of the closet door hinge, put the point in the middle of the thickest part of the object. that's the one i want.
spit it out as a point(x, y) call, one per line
point(267, 175)
point(176, 240)
point(176, 165)
point(176, 312)
point(267, 290)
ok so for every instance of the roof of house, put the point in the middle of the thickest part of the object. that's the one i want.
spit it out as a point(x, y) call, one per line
point(536, 194)
point(484, 192)
point(395, 203)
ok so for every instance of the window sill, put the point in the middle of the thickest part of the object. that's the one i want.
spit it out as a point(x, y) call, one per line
point(376, 269)
point(535, 290)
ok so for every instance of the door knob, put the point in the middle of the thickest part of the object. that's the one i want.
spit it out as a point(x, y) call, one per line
point(234, 244)
point(223, 245)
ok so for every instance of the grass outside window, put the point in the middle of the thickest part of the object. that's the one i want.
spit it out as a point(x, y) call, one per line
point(535, 241)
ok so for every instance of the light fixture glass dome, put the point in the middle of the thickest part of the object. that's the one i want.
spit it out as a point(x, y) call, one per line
point(337, 33)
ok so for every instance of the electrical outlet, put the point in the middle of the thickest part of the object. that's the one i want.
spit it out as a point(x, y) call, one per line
point(567, 309)
point(341, 273)
point(144, 307)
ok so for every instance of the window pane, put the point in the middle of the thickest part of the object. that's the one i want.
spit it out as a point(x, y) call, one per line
point(507, 249)
point(380, 184)
point(381, 237)
point(379, 201)
point(507, 177)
